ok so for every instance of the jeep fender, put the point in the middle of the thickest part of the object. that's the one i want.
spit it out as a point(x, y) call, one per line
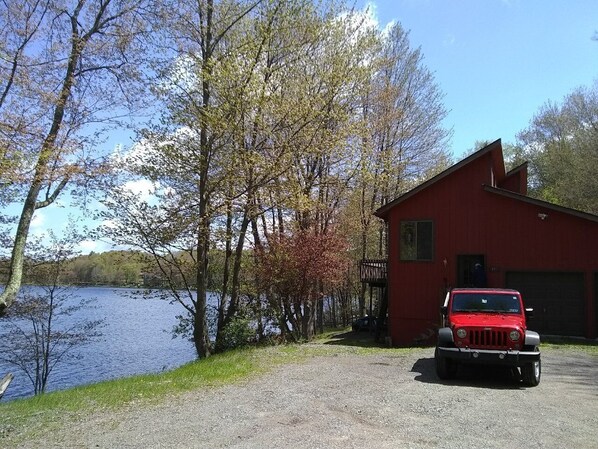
point(445, 336)
point(532, 338)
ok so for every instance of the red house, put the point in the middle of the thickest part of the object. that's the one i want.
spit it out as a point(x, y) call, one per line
point(476, 213)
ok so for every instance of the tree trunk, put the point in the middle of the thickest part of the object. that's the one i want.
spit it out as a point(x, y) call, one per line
point(320, 309)
point(15, 275)
point(309, 320)
point(233, 303)
point(222, 312)
point(382, 310)
point(234, 299)
point(200, 333)
point(200, 325)
point(200, 328)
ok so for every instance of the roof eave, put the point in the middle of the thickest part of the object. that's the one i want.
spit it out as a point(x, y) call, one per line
point(541, 203)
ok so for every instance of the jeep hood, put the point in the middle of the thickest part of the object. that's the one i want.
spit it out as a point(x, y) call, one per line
point(486, 319)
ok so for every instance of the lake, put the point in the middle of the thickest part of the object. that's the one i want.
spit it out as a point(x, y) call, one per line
point(136, 339)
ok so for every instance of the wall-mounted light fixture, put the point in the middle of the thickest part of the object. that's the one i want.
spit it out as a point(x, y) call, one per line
point(542, 216)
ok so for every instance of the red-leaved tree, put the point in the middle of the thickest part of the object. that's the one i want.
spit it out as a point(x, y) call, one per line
point(298, 271)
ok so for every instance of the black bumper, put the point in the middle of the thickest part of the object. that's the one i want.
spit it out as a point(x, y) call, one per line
point(490, 356)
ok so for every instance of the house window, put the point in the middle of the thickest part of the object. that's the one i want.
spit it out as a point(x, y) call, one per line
point(417, 240)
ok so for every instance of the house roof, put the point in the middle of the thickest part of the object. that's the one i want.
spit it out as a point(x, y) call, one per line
point(499, 171)
point(494, 146)
point(540, 203)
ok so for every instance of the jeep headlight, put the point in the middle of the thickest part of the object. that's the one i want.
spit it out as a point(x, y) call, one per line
point(514, 335)
point(461, 333)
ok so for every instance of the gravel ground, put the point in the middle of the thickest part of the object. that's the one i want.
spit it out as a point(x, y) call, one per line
point(351, 400)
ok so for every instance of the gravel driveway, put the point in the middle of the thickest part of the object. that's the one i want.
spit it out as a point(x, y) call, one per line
point(347, 399)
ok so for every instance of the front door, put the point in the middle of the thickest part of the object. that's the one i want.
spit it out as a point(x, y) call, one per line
point(466, 267)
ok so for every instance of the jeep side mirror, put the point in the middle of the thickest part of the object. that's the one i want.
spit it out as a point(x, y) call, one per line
point(444, 310)
point(529, 313)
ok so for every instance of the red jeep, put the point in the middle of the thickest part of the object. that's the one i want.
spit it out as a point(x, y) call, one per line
point(487, 326)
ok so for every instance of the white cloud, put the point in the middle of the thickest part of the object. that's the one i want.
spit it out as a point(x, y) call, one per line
point(143, 188)
point(135, 154)
point(38, 220)
point(87, 246)
point(369, 15)
point(364, 19)
point(387, 28)
point(98, 246)
point(110, 224)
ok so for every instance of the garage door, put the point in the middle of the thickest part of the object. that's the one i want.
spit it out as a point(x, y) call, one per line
point(557, 299)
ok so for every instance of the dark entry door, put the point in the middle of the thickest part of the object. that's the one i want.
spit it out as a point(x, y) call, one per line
point(466, 267)
point(557, 299)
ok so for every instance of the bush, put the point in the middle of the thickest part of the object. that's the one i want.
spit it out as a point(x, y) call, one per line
point(238, 333)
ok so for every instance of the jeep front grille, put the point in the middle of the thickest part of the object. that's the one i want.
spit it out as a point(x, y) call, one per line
point(488, 338)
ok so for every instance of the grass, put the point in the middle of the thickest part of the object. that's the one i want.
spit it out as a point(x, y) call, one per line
point(574, 343)
point(28, 417)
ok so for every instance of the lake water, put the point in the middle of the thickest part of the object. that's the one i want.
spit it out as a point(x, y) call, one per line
point(136, 339)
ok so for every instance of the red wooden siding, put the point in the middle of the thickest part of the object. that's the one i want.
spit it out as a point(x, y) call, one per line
point(472, 216)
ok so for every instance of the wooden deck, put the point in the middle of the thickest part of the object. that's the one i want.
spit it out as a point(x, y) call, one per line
point(373, 271)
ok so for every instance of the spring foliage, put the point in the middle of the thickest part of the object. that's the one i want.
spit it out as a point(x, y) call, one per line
point(297, 270)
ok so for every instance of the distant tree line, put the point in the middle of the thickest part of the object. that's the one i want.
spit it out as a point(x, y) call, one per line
point(118, 268)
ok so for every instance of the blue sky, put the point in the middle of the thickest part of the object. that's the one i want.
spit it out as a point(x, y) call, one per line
point(499, 61)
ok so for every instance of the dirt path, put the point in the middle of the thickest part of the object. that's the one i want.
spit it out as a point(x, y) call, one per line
point(346, 400)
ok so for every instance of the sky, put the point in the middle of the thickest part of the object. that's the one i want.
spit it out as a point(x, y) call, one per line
point(498, 61)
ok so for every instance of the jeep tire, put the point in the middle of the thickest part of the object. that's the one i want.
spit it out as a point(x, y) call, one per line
point(531, 372)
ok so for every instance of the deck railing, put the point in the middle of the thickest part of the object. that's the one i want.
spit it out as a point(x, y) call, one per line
point(373, 271)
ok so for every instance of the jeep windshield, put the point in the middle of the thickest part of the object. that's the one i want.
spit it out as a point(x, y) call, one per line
point(485, 303)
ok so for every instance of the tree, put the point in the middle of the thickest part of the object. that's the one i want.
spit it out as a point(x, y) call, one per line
point(402, 140)
point(324, 84)
point(193, 155)
point(298, 270)
point(67, 71)
point(561, 145)
point(41, 329)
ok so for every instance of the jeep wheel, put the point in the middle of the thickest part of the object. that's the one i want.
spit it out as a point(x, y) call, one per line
point(531, 373)
point(445, 368)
